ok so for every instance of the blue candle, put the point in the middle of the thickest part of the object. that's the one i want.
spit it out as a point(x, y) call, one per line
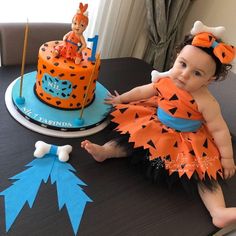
point(94, 48)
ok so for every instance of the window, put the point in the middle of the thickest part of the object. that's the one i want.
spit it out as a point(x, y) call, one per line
point(37, 11)
point(59, 11)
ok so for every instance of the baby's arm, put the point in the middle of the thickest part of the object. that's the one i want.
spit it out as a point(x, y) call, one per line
point(135, 94)
point(83, 44)
point(220, 132)
point(66, 36)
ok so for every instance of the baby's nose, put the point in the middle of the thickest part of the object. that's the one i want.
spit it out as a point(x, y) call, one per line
point(186, 74)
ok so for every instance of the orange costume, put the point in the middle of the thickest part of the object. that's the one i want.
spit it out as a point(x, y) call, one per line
point(69, 48)
point(172, 129)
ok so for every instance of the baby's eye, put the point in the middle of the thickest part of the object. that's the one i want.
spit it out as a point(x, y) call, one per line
point(197, 73)
point(183, 64)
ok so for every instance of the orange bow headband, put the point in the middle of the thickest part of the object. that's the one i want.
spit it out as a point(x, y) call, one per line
point(224, 52)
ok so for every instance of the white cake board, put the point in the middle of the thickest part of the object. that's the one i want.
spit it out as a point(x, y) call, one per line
point(25, 121)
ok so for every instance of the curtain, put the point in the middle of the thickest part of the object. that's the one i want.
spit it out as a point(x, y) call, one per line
point(121, 26)
point(165, 20)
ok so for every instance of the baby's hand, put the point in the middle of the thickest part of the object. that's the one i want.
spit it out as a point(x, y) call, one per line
point(113, 99)
point(228, 167)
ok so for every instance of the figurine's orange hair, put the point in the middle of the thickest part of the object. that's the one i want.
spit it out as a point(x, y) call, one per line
point(80, 16)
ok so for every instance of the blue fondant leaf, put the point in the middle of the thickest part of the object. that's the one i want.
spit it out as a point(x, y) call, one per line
point(19, 192)
point(69, 192)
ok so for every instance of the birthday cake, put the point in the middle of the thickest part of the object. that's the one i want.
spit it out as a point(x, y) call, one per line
point(63, 97)
point(63, 84)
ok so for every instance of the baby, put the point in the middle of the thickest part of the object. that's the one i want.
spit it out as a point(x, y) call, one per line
point(178, 123)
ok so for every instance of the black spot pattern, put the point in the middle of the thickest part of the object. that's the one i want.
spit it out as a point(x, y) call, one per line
point(173, 110)
point(150, 142)
point(122, 110)
point(205, 144)
point(174, 97)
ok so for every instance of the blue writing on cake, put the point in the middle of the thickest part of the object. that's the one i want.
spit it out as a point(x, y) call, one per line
point(54, 122)
point(56, 87)
point(46, 121)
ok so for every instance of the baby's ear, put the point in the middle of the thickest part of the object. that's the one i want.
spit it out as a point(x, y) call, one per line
point(211, 79)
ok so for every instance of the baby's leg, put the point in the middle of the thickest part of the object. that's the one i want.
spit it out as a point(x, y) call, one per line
point(102, 152)
point(77, 60)
point(55, 53)
point(215, 204)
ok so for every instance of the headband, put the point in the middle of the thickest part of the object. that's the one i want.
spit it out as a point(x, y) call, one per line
point(205, 36)
point(224, 52)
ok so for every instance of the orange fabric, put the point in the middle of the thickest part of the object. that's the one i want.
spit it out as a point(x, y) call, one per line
point(182, 152)
point(69, 50)
point(225, 53)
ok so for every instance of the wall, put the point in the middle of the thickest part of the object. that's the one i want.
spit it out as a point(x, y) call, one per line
point(214, 13)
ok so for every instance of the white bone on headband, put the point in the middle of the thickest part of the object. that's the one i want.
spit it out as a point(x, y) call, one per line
point(199, 27)
point(43, 148)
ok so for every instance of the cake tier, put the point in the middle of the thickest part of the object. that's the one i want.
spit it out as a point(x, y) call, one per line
point(63, 84)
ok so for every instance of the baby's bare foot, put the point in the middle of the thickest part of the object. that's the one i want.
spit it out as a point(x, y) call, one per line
point(55, 53)
point(77, 60)
point(98, 152)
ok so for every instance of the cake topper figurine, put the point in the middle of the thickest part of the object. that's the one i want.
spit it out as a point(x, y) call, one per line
point(74, 42)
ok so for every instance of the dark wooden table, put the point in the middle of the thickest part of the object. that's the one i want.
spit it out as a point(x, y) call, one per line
point(124, 203)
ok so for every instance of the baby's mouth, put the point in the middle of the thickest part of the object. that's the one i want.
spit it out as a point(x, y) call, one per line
point(179, 81)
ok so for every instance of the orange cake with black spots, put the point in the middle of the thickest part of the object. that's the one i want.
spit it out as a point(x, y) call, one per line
point(63, 84)
point(63, 98)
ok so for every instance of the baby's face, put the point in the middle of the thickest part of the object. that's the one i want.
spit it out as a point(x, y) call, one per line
point(193, 69)
point(78, 26)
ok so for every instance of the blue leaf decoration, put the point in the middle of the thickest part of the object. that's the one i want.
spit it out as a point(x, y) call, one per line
point(69, 193)
point(19, 193)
